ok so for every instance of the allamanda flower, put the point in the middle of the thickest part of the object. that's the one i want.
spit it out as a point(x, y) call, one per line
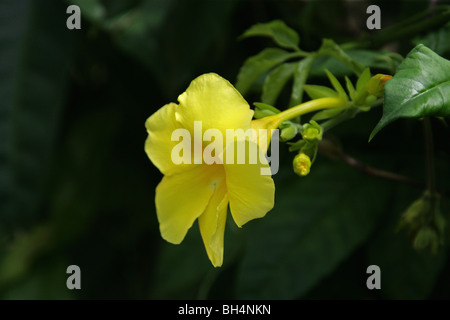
point(191, 190)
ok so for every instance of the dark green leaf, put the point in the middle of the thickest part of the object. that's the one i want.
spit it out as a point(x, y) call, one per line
point(35, 48)
point(331, 48)
point(316, 223)
point(376, 59)
point(284, 36)
point(300, 76)
point(367, 58)
point(91, 9)
point(275, 81)
point(420, 88)
point(157, 33)
point(438, 40)
point(257, 65)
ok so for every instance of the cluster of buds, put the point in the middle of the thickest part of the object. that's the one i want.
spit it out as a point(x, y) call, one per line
point(425, 222)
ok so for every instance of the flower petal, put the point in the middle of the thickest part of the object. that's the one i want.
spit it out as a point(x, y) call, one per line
point(250, 193)
point(264, 126)
point(159, 145)
point(212, 224)
point(181, 198)
point(214, 101)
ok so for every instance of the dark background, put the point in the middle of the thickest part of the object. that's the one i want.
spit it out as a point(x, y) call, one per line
point(77, 188)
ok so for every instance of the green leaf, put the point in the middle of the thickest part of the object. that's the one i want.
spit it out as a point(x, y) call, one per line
point(152, 29)
point(257, 65)
point(284, 36)
point(420, 88)
point(133, 29)
point(369, 58)
point(91, 9)
point(275, 81)
point(436, 40)
point(300, 76)
point(331, 48)
point(376, 59)
point(317, 92)
point(35, 50)
point(316, 223)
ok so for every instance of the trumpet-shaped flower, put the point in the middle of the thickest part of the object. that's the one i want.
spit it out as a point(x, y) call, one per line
point(190, 190)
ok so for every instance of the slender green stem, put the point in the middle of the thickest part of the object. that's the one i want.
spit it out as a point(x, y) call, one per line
point(310, 106)
point(346, 115)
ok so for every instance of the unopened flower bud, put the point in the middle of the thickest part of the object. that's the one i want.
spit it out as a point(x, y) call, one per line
point(312, 131)
point(302, 164)
point(288, 132)
point(376, 84)
point(426, 238)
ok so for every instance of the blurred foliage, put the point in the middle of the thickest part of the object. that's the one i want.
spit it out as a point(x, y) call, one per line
point(77, 188)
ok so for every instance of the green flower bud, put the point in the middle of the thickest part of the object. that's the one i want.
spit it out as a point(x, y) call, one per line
point(288, 131)
point(425, 222)
point(310, 134)
point(370, 100)
point(376, 84)
point(415, 214)
point(426, 238)
point(440, 222)
point(312, 131)
point(301, 164)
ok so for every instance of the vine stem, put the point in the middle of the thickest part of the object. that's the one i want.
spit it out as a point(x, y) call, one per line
point(344, 116)
point(327, 147)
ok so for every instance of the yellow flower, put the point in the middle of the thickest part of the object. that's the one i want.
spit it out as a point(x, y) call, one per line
point(190, 191)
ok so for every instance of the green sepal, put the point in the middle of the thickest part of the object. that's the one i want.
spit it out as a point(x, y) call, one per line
point(336, 85)
point(264, 110)
point(317, 92)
